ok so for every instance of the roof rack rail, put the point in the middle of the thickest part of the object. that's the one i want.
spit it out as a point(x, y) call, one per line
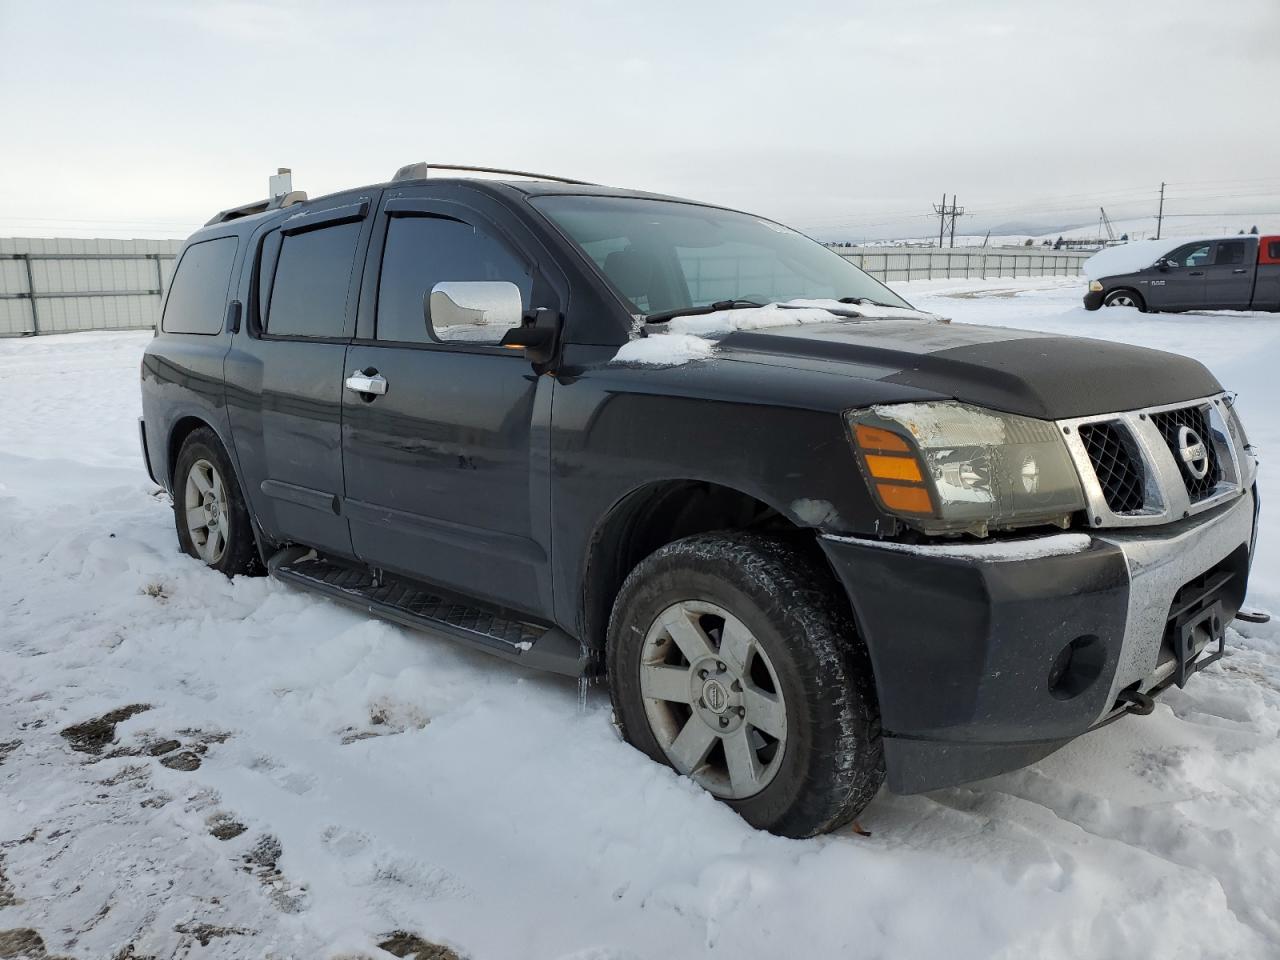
point(282, 195)
point(258, 206)
point(418, 171)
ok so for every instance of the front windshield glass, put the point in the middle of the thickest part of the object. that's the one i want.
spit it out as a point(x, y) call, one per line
point(663, 255)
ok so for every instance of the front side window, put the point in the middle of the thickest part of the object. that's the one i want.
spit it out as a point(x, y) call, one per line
point(198, 292)
point(308, 295)
point(1192, 255)
point(423, 251)
point(664, 255)
point(1230, 253)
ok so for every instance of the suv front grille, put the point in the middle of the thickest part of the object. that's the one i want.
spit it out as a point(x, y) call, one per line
point(1131, 467)
point(1169, 423)
point(1119, 474)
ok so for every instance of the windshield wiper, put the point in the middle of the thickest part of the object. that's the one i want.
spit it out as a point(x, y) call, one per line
point(664, 315)
point(854, 301)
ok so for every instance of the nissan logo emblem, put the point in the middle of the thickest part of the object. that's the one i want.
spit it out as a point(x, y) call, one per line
point(1193, 452)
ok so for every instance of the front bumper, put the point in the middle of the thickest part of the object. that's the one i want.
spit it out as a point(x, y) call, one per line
point(964, 639)
point(1093, 299)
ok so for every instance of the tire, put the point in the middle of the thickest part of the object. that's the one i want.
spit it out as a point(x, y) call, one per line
point(815, 760)
point(1125, 298)
point(208, 508)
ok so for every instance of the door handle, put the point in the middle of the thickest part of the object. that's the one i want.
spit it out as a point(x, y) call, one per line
point(1196, 273)
point(372, 384)
point(1239, 270)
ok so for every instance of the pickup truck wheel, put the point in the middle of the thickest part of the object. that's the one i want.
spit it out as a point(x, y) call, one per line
point(1124, 298)
point(731, 660)
point(209, 511)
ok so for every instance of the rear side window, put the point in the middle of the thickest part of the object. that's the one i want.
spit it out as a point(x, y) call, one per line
point(1230, 252)
point(198, 292)
point(1273, 250)
point(313, 273)
point(423, 251)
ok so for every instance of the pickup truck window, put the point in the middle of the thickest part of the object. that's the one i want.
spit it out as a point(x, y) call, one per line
point(663, 255)
point(309, 291)
point(1191, 255)
point(198, 291)
point(425, 250)
point(1230, 253)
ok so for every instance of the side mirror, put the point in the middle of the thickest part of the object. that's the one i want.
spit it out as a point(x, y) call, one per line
point(1164, 263)
point(474, 311)
point(539, 336)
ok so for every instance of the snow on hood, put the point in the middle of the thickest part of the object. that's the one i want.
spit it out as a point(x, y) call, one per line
point(665, 350)
point(1133, 256)
point(681, 339)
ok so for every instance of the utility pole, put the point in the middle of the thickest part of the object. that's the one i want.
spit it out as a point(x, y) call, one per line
point(1160, 214)
point(946, 213)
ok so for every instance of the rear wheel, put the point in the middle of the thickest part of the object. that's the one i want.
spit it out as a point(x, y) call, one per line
point(732, 660)
point(1124, 298)
point(209, 511)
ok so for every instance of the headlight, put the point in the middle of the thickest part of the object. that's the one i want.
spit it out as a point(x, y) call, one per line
point(1095, 286)
point(953, 468)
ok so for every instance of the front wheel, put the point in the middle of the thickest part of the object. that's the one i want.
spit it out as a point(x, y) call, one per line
point(1124, 298)
point(733, 660)
point(209, 511)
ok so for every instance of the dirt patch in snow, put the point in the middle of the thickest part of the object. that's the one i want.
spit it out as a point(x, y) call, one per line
point(93, 736)
point(223, 826)
point(7, 897)
point(410, 945)
point(24, 944)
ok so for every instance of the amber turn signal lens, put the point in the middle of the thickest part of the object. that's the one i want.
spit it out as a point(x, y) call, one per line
point(904, 499)
point(873, 438)
point(894, 468)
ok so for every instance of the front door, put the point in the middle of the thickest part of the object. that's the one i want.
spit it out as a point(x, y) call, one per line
point(1181, 285)
point(1228, 279)
point(286, 365)
point(446, 470)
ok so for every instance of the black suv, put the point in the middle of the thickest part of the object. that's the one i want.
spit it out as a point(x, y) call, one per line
point(811, 537)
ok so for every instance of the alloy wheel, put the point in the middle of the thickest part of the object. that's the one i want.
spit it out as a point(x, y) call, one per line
point(713, 699)
point(205, 506)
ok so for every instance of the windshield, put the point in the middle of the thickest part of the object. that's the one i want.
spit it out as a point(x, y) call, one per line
point(665, 256)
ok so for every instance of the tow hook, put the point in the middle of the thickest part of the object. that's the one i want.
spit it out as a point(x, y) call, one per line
point(1253, 616)
point(1138, 703)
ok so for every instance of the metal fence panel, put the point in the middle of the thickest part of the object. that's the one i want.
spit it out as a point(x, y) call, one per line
point(898, 264)
point(56, 285)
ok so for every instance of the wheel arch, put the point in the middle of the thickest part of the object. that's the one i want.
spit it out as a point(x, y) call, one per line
point(1123, 288)
point(182, 428)
point(655, 514)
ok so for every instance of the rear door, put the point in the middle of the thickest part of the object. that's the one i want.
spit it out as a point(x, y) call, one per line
point(1229, 276)
point(446, 471)
point(284, 373)
point(1181, 286)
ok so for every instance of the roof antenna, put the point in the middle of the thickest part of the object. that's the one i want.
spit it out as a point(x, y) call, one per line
point(281, 184)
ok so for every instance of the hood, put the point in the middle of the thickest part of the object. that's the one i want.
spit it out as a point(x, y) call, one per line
point(1016, 371)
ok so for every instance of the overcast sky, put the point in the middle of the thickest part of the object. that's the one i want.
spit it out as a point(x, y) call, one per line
point(848, 119)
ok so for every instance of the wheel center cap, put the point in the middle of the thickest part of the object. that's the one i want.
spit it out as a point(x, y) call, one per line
point(715, 696)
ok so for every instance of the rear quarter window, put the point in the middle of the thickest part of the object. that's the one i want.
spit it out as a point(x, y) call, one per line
point(197, 300)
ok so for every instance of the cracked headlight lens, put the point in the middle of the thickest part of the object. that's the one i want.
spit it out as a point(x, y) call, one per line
point(950, 467)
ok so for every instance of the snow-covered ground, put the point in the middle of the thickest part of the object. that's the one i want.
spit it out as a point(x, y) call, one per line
point(336, 780)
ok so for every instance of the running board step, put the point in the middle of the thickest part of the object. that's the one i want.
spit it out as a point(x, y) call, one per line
point(411, 605)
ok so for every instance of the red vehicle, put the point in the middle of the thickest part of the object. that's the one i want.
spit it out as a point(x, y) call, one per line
point(1215, 273)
